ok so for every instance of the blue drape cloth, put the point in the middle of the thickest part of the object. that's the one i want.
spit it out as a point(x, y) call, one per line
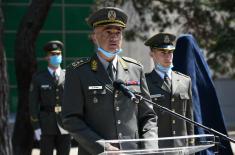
point(188, 59)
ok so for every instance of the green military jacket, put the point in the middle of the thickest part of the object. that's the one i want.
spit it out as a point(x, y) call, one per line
point(177, 99)
point(93, 110)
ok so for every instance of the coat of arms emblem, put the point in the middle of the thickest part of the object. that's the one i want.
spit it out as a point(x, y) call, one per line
point(166, 39)
point(111, 15)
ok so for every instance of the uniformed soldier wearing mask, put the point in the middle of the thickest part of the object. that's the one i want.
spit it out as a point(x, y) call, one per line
point(45, 103)
point(92, 109)
point(169, 89)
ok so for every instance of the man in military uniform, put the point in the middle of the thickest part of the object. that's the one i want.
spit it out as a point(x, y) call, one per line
point(45, 103)
point(92, 109)
point(170, 89)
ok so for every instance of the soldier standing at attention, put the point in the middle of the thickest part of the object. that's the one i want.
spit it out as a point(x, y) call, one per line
point(45, 99)
point(92, 109)
point(170, 89)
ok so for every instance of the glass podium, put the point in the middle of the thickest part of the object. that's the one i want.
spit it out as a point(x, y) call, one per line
point(166, 145)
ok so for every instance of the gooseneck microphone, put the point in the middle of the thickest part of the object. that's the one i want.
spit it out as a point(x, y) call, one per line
point(120, 85)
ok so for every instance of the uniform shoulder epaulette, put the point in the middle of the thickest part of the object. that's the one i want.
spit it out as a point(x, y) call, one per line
point(79, 62)
point(182, 74)
point(131, 60)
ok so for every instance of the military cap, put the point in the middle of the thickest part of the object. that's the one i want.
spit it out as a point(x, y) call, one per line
point(162, 41)
point(108, 16)
point(53, 46)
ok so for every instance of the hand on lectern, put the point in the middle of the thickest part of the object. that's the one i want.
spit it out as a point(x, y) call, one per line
point(109, 147)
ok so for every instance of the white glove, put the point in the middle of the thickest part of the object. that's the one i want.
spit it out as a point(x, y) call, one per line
point(37, 134)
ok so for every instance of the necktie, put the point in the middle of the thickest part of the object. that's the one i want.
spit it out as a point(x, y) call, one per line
point(167, 80)
point(110, 71)
point(55, 77)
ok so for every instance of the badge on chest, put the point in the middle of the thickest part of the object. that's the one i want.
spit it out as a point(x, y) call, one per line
point(45, 87)
point(96, 92)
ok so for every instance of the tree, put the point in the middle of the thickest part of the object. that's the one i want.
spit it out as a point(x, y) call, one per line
point(5, 139)
point(211, 22)
point(25, 64)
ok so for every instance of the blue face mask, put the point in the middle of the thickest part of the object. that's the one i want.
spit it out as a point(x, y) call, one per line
point(162, 68)
point(109, 54)
point(55, 60)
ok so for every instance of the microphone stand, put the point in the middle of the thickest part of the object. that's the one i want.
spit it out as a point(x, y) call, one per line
point(225, 137)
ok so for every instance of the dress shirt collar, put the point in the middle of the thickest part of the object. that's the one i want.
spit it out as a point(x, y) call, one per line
point(106, 63)
point(162, 74)
point(57, 71)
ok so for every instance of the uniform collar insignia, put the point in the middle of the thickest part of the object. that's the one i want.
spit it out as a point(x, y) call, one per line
point(94, 65)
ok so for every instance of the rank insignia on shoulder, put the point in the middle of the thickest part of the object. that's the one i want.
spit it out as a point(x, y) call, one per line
point(123, 63)
point(182, 74)
point(131, 60)
point(132, 82)
point(94, 65)
point(79, 62)
point(74, 64)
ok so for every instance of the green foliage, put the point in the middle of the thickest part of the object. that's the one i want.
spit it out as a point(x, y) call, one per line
point(211, 22)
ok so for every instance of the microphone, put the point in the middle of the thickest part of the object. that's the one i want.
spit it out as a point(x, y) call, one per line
point(120, 85)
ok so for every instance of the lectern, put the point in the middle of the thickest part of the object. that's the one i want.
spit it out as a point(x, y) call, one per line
point(166, 145)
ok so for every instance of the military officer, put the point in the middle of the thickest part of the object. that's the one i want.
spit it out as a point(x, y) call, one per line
point(45, 103)
point(170, 89)
point(92, 109)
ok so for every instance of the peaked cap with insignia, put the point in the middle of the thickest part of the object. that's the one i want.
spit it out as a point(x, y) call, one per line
point(53, 46)
point(163, 41)
point(108, 16)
